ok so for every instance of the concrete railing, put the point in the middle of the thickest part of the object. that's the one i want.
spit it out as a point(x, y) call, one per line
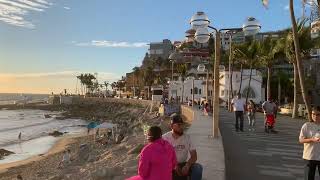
point(94, 100)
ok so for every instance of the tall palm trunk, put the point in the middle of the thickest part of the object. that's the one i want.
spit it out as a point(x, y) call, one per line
point(230, 79)
point(279, 89)
point(318, 2)
point(231, 86)
point(240, 79)
point(249, 88)
point(182, 91)
point(295, 90)
point(268, 83)
point(298, 58)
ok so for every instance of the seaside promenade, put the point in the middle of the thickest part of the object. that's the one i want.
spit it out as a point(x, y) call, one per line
point(210, 151)
point(258, 155)
point(250, 154)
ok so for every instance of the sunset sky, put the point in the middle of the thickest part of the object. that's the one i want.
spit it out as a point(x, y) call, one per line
point(45, 44)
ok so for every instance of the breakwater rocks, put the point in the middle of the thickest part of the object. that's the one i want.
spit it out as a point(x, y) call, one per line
point(4, 153)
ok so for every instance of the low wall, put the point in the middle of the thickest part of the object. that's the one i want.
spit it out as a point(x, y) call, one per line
point(187, 113)
point(95, 100)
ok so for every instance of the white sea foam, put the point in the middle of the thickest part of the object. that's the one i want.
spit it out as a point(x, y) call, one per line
point(34, 128)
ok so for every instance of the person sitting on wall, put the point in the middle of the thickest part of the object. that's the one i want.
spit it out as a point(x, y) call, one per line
point(183, 147)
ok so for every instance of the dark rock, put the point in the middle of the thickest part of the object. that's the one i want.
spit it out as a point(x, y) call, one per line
point(47, 116)
point(56, 133)
point(119, 138)
point(4, 153)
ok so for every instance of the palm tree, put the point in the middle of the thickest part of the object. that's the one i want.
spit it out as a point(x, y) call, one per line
point(297, 51)
point(113, 86)
point(267, 53)
point(298, 57)
point(81, 78)
point(148, 78)
point(248, 53)
point(287, 46)
point(182, 70)
point(136, 73)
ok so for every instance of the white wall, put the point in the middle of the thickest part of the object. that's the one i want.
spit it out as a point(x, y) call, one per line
point(175, 87)
point(255, 85)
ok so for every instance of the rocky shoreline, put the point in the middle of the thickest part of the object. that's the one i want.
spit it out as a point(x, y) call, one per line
point(116, 160)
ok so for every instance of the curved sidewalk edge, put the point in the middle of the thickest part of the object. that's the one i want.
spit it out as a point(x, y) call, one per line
point(210, 150)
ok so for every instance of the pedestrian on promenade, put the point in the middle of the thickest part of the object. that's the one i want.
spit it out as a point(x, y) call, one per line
point(157, 159)
point(239, 106)
point(251, 108)
point(269, 108)
point(206, 109)
point(183, 147)
point(310, 138)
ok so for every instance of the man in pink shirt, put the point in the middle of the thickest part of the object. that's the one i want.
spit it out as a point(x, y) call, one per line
point(157, 158)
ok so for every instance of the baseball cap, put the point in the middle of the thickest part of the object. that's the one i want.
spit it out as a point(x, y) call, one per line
point(175, 118)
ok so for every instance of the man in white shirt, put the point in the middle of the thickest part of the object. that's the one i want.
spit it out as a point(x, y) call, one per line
point(183, 148)
point(238, 108)
point(310, 138)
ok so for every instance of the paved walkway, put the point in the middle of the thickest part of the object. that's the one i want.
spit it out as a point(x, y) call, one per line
point(210, 151)
point(261, 156)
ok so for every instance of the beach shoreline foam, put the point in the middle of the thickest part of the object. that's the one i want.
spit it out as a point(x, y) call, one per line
point(60, 145)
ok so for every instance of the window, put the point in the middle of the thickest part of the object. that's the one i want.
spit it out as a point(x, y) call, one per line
point(152, 51)
point(157, 92)
point(199, 91)
point(159, 51)
point(222, 92)
point(195, 90)
point(190, 91)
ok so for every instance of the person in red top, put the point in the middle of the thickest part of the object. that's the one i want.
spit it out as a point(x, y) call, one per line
point(157, 159)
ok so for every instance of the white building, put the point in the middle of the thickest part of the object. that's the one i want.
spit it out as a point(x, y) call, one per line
point(256, 92)
point(176, 88)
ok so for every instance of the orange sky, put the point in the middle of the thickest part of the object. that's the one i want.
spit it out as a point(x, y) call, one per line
point(43, 83)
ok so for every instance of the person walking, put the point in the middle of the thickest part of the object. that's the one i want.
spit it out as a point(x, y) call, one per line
point(239, 106)
point(251, 108)
point(157, 159)
point(310, 138)
point(184, 148)
point(269, 108)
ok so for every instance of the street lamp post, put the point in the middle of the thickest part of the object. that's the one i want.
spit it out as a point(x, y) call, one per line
point(175, 56)
point(172, 61)
point(200, 22)
point(230, 93)
point(202, 68)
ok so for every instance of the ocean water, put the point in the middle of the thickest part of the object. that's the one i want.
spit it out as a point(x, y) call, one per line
point(11, 98)
point(34, 128)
